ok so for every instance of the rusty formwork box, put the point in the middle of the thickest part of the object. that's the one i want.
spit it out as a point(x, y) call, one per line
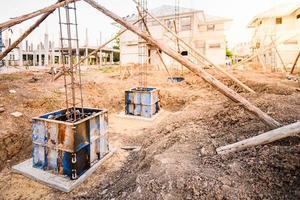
point(144, 102)
point(69, 148)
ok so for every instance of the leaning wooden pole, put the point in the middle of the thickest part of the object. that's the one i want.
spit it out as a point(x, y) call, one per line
point(295, 63)
point(219, 68)
point(261, 139)
point(24, 35)
point(20, 19)
point(191, 66)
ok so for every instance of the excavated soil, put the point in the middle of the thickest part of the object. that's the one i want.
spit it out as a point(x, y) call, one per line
point(178, 158)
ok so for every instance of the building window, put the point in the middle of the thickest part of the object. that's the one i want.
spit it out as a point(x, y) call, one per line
point(298, 16)
point(215, 46)
point(279, 20)
point(186, 23)
point(169, 23)
point(260, 22)
point(211, 27)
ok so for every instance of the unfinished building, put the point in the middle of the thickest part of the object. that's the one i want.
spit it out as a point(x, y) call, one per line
point(204, 32)
point(280, 23)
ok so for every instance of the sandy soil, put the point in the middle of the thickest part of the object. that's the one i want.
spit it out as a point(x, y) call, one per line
point(177, 159)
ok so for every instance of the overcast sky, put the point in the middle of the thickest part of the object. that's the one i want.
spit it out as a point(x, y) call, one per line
point(240, 11)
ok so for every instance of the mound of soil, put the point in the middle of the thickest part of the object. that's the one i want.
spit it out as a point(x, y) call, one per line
point(179, 161)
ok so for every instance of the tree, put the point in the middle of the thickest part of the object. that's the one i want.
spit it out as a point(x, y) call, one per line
point(228, 53)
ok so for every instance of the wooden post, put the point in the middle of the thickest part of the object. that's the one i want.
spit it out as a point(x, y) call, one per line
point(199, 54)
point(20, 19)
point(295, 63)
point(283, 68)
point(25, 34)
point(261, 139)
point(191, 66)
point(261, 60)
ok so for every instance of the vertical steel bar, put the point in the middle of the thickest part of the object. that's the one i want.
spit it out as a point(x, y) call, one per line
point(70, 60)
point(78, 58)
point(62, 58)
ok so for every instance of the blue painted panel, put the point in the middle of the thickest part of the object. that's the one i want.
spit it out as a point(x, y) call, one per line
point(75, 164)
point(129, 97)
point(137, 98)
point(39, 132)
point(129, 109)
point(67, 163)
point(146, 98)
point(39, 156)
point(52, 159)
point(137, 109)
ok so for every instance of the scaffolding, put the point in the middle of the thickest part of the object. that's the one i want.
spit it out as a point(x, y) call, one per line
point(72, 73)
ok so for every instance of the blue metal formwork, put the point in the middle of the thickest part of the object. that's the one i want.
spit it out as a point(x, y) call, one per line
point(142, 102)
point(69, 148)
point(176, 79)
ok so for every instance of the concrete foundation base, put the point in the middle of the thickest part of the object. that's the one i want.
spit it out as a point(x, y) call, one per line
point(62, 183)
point(123, 115)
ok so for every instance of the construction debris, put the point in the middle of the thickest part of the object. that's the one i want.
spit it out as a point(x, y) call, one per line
point(16, 114)
point(132, 148)
point(12, 91)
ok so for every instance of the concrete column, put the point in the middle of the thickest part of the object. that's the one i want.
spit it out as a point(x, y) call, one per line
point(100, 52)
point(111, 58)
point(53, 53)
point(46, 45)
point(20, 51)
point(86, 53)
point(40, 54)
point(100, 58)
point(34, 58)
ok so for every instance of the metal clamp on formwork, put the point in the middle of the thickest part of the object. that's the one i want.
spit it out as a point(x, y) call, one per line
point(74, 174)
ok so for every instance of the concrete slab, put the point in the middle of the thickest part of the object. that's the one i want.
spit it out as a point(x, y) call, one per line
point(62, 183)
point(124, 116)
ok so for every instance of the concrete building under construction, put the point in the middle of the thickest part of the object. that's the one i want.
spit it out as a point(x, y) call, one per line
point(280, 24)
point(46, 53)
point(204, 32)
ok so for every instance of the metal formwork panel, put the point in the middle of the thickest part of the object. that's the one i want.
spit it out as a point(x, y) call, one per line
point(39, 155)
point(39, 132)
point(142, 102)
point(69, 148)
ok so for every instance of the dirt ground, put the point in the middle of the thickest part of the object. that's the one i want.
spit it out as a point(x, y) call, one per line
point(177, 159)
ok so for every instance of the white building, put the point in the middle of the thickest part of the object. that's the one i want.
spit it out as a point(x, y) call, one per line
point(202, 31)
point(280, 23)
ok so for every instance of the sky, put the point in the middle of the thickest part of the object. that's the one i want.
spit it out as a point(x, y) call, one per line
point(240, 11)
